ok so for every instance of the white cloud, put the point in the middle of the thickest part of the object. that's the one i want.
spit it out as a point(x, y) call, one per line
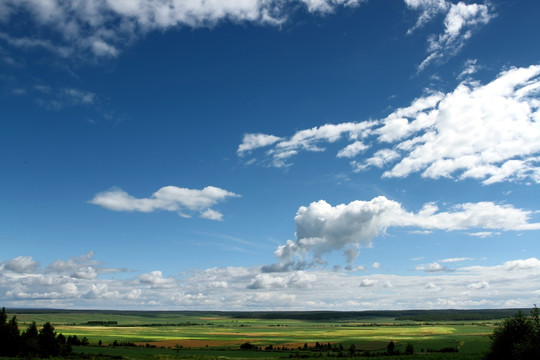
point(486, 132)
point(85, 273)
point(328, 5)
point(375, 265)
point(429, 8)
point(21, 264)
point(352, 150)
point(478, 285)
point(368, 282)
point(104, 27)
point(311, 139)
point(169, 198)
point(452, 260)
point(459, 22)
point(156, 280)
point(379, 159)
point(470, 68)
point(431, 268)
point(297, 279)
point(80, 97)
point(531, 263)
point(484, 234)
point(432, 286)
point(212, 215)
point(255, 141)
point(74, 265)
point(322, 228)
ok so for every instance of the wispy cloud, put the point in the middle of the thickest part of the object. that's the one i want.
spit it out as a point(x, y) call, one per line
point(460, 19)
point(432, 268)
point(452, 260)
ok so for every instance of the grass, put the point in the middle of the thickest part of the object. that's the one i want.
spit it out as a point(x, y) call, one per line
point(207, 335)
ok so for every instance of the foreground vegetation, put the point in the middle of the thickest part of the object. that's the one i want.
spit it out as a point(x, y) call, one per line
point(269, 335)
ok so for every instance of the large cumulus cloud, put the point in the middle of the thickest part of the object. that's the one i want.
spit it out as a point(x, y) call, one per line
point(322, 228)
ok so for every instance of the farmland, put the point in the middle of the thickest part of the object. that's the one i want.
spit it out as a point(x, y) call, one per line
point(161, 335)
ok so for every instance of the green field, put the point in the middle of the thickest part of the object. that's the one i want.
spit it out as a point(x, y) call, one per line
point(219, 335)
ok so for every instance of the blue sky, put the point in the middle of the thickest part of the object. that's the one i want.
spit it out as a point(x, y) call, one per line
point(287, 155)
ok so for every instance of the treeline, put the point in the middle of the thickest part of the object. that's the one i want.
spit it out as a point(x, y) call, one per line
point(339, 351)
point(101, 323)
point(415, 315)
point(456, 315)
point(31, 342)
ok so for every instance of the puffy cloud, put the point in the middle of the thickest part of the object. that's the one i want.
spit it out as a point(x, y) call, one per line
point(376, 265)
point(431, 268)
point(352, 150)
point(156, 280)
point(85, 273)
point(531, 263)
point(80, 266)
point(486, 132)
point(478, 285)
point(169, 198)
point(255, 141)
point(212, 215)
point(21, 264)
point(367, 282)
point(322, 228)
point(297, 279)
point(104, 27)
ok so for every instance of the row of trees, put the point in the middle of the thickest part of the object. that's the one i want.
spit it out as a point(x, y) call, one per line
point(31, 342)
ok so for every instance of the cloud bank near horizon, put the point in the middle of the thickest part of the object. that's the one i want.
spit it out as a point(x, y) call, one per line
point(24, 283)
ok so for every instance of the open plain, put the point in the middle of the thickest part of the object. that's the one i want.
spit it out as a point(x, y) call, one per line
point(170, 334)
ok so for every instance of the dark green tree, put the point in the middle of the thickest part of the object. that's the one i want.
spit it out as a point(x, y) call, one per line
point(409, 349)
point(390, 348)
point(516, 338)
point(11, 337)
point(29, 339)
point(3, 331)
point(48, 344)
